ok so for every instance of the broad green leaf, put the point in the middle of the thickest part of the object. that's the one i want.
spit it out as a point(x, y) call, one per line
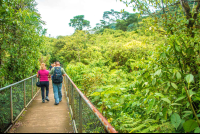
point(164, 113)
point(185, 115)
point(178, 75)
point(159, 94)
point(189, 78)
point(166, 100)
point(187, 105)
point(147, 91)
point(169, 112)
point(157, 72)
point(154, 81)
point(175, 120)
point(177, 47)
point(181, 125)
point(151, 103)
point(174, 85)
point(176, 104)
point(191, 93)
point(197, 130)
point(163, 55)
point(180, 98)
point(190, 125)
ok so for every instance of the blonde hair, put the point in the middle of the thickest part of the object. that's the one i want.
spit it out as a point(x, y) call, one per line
point(42, 67)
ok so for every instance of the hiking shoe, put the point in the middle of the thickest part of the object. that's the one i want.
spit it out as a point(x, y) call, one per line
point(56, 103)
point(47, 98)
point(43, 101)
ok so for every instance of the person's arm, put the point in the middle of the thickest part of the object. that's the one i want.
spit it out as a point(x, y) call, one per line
point(63, 72)
point(51, 72)
point(49, 76)
point(37, 74)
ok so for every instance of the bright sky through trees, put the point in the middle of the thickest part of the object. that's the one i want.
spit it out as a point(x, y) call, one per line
point(57, 13)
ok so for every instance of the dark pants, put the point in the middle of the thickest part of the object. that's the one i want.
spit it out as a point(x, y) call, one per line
point(46, 85)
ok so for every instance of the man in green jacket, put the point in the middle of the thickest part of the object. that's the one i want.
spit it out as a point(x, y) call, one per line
point(57, 78)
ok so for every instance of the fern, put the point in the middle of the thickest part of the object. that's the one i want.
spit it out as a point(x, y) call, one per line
point(137, 128)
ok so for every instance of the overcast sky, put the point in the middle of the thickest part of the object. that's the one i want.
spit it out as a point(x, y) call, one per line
point(57, 13)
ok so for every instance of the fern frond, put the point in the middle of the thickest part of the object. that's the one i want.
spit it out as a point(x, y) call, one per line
point(137, 128)
point(145, 130)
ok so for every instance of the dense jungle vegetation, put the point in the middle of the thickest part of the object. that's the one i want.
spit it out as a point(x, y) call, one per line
point(22, 49)
point(140, 70)
point(21, 40)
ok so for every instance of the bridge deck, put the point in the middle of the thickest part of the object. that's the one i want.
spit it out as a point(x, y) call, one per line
point(45, 117)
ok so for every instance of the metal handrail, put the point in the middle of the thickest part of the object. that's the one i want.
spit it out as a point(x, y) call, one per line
point(82, 99)
point(101, 118)
point(33, 84)
point(16, 83)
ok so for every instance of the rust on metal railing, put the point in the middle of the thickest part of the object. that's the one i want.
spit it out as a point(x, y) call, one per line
point(103, 120)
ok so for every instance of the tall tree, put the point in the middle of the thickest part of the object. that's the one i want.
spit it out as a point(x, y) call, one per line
point(112, 16)
point(79, 23)
point(21, 37)
point(127, 19)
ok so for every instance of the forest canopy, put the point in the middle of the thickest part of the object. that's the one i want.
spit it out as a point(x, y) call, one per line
point(141, 70)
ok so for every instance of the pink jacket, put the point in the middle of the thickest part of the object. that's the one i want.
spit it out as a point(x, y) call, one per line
point(43, 75)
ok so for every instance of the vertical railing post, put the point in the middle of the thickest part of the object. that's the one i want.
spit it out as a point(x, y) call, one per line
point(24, 94)
point(69, 89)
point(36, 86)
point(32, 87)
point(80, 115)
point(65, 83)
point(11, 105)
point(72, 101)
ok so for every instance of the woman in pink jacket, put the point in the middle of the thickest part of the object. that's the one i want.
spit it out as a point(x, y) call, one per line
point(44, 81)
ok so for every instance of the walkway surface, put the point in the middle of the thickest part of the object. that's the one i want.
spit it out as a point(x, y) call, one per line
point(45, 117)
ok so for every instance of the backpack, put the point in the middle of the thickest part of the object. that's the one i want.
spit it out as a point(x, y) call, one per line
point(57, 75)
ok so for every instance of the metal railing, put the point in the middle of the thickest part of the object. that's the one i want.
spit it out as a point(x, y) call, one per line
point(85, 117)
point(14, 99)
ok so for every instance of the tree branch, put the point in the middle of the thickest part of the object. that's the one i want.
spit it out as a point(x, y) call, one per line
point(197, 10)
point(186, 8)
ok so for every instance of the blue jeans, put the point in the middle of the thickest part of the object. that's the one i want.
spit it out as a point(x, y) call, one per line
point(57, 90)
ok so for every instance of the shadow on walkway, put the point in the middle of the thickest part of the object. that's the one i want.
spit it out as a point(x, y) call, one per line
point(45, 117)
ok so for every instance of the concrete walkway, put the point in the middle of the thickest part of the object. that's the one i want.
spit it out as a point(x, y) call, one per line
point(45, 117)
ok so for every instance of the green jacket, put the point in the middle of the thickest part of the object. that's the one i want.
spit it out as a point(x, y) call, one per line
point(52, 71)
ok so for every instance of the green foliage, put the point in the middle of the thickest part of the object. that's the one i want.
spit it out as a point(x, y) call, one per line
point(145, 80)
point(122, 75)
point(21, 38)
point(190, 125)
point(124, 21)
point(175, 120)
point(79, 23)
point(22, 49)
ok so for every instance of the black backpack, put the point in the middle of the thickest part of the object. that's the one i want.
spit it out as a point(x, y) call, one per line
point(57, 75)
